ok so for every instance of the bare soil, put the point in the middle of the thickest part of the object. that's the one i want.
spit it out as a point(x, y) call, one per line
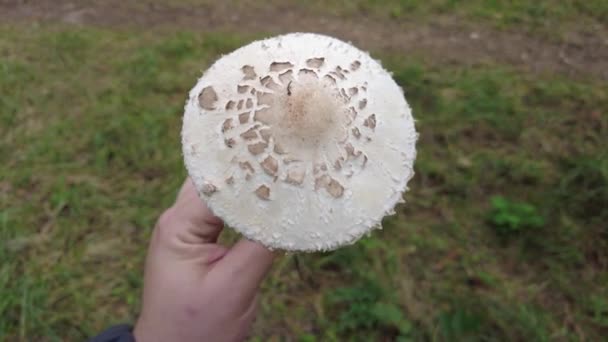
point(582, 53)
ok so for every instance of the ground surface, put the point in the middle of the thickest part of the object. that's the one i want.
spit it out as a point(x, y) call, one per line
point(503, 236)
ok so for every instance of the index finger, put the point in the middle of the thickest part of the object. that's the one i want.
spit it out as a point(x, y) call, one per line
point(191, 213)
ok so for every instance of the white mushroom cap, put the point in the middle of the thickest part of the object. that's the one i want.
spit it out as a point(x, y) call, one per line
point(301, 142)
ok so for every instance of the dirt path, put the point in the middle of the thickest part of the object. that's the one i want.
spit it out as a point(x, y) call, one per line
point(445, 40)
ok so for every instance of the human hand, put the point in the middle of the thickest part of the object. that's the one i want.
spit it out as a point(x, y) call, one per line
point(194, 288)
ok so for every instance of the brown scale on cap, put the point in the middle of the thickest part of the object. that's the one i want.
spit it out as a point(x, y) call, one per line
point(244, 117)
point(315, 62)
point(246, 166)
point(362, 103)
point(207, 98)
point(270, 166)
point(321, 182)
point(269, 83)
point(257, 148)
point(249, 103)
point(318, 167)
point(230, 142)
point(265, 134)
point(264, 98)
point(355, 65)
point(356, 132)
point(280, 66)
point(344, 95)
point(336, 75)
point(278, 149)
point(249, 171)
point(263, 115)
point(351, 114)
point(242, 89)
point(227, 125)
point(263, 192)
point(350, 150)
point(351, 153)
point(208, 188)
point(330, 79)
point(340, 70)
point(307, 74)
point(229, 180)
point(230, 105)
point(249, 72)
point(295, 176)
point(337, 165)
point(370, 122)
point(353, 91)
point(250, 134)
point(332, 186)
point(286, 77)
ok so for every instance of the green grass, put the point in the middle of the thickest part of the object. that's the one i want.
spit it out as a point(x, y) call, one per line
point(90, 148)
point(540, 16)
point(510, 218)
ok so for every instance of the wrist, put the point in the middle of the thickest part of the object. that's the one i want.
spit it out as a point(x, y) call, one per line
point(117, 333)
point(139, 331)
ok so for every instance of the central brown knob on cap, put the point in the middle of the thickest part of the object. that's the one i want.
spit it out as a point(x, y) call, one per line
point(308, 111)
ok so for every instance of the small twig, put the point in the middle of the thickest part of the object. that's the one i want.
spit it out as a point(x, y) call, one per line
point(46, 228)
point(565, 59)
point(296, 261)
point(23, 316)
point(308, 279)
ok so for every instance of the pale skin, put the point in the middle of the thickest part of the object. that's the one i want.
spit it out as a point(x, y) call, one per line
point(194, 288)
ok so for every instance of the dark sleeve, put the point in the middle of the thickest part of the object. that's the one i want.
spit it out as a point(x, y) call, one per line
point(117, 333)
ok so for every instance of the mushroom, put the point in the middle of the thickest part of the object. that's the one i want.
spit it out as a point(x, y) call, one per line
point(328, 140)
